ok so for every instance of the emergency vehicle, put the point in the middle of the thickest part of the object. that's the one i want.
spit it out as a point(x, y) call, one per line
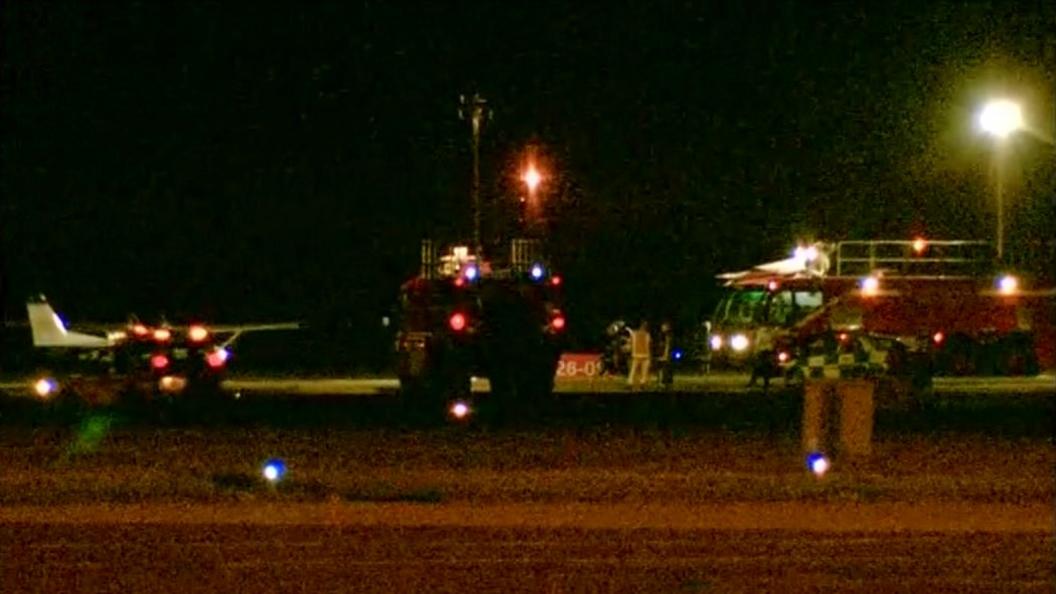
point(463, 317)
point(942, 299)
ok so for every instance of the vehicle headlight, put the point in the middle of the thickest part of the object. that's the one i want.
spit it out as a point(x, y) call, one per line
point(716, 342)
point(739, 342)
point(45, 387)
point(1007, 285)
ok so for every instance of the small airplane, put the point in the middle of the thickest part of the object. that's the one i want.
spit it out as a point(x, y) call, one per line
point(166, 357)
point(50, 331)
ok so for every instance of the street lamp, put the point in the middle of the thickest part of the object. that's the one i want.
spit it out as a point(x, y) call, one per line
point(532, 178)
point(1000, 118)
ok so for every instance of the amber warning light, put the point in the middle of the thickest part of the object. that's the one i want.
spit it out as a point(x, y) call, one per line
point(197, 333)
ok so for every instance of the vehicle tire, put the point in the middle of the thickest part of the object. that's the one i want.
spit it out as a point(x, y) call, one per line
point(516, 389)
point(425, 398)
point(419, 401)
point(536, 384)
point(961, 357)
point(795, 376)
point(1017, 357)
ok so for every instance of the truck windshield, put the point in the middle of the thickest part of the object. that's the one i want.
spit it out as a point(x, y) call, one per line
point(788, 307)
point(743, 306)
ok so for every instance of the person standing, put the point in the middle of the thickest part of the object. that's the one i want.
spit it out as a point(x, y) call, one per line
point(641, 345)
point(666, 371)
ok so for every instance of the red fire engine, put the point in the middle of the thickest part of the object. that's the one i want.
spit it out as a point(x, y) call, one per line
point(941, 298)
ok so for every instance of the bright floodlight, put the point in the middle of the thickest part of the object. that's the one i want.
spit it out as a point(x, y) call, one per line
point(532, 178)
point(1007, 284)
point(274, 470)
point(870, 285)
point(1001, 118)
point(806, 253)
point(460, 410)
point(818, 464)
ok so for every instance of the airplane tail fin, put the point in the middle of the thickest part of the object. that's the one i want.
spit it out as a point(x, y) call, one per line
point(50, 331)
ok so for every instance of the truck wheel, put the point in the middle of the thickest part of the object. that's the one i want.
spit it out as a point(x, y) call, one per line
point(1018, 358)
point(427, 396)
point(794, 376)
point(536, 386)
point(418, 398)
point(961, 357)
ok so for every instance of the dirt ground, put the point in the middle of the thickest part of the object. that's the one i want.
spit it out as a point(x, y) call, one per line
point(101, 463)
point(103, 507)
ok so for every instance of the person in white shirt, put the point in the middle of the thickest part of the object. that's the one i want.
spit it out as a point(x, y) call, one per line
point(641, 352)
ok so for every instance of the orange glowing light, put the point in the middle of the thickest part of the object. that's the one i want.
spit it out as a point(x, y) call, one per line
point(532, 178)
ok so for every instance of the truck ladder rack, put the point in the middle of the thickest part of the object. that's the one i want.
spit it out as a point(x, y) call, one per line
point(915, 258)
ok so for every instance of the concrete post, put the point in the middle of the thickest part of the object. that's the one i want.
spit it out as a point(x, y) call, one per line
point(854, 400)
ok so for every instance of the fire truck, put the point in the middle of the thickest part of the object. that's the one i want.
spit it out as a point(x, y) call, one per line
point(463, 317)
point(941, 300)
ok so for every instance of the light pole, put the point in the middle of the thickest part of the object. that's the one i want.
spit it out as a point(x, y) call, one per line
point(475, 109)
point(1000, 118)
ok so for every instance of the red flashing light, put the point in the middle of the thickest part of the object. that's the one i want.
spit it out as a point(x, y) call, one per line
point(782, 357)
point(159, 361)
point(217, 358)
point(460, 281)
point(919, 245)
point(772, 285)
point(457, 322)
point(555, 280)
point(938, 337)
point(558, 323)
point(843, 336)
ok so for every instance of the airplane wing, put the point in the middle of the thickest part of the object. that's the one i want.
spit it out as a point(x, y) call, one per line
point(49, 330)
point(222, 329)
point(235, 332)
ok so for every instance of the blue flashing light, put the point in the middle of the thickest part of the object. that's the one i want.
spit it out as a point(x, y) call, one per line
point(274, 470)
point(538, 271)
point(676, 354)
point(818, 464)
point(471, 273)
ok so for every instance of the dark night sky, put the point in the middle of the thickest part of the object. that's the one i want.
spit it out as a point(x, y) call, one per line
point(261, 160)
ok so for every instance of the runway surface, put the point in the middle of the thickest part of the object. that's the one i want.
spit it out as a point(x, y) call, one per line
point(726, 383)
point(702, 384)
point(528, 548)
